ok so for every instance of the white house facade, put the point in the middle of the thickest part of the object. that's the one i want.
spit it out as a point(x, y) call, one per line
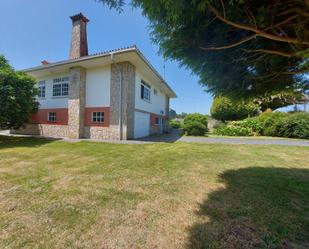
point(111, 95)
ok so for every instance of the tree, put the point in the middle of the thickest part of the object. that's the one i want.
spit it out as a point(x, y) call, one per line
point(17, 96)
point(282, 99)
point(225, 109)
point(181, 115)
point(239, 48)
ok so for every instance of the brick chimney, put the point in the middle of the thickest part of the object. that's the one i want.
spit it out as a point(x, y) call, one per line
point(79, 46)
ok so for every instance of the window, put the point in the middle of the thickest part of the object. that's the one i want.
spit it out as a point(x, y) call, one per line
point(41, 93)
point(51, 117)
point(157, 121)
point(65, 89)
point(145, 91)
point(97, 117)
point(57, 90)
point(61, 87)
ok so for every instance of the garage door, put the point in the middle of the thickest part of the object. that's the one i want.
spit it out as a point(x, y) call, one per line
point(141, 124)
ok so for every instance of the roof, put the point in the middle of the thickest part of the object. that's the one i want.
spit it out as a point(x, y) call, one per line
point(133, 48)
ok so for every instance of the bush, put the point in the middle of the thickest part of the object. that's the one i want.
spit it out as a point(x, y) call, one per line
point(295, 125)
point(225, 109)
point(196, 117)
point(175, 124)
point(268, 122)
point(277, 124)
point(195, 124)
point(195, 128)
point(234, 129)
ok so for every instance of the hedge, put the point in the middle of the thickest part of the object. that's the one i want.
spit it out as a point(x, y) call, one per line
point(276, 124)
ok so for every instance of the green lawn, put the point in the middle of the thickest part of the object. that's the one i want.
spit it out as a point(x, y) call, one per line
point(55, 194)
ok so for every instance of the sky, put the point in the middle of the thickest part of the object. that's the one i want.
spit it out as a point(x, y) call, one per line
point(36, 30)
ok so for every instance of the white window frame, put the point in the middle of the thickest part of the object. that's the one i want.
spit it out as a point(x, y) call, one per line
point(52, 117)
point(97, 117)
point(42, 89)
point(145, 91)
point(63, 84)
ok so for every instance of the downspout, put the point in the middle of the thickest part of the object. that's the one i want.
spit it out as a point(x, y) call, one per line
point(120, 93)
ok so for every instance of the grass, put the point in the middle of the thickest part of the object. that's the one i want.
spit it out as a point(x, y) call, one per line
point(166, 195)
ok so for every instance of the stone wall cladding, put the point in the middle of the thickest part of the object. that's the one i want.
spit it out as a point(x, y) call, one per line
point(109, 133)
point(167, 111)
point(76, 102)
point(128, 97)
point(79, 46)
point(46, 130)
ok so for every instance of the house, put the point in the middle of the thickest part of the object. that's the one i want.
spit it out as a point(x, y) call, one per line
point(110, 95)
point(172, 114)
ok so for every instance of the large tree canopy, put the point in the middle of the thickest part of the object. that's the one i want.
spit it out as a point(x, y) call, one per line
point(237, 47)
point(225, 109)
point(17, 96)
point(282, 99)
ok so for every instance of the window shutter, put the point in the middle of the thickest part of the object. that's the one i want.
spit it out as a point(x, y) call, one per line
point(142, 91)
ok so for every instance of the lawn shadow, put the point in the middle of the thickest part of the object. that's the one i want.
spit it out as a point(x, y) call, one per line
point(257, 208)
point(16, 141)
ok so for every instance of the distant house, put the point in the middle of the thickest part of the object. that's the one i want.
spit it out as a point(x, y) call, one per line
point(115, 94)
point(172, 114)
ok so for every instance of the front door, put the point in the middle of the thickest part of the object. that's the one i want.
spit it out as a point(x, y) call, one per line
point(161, 120)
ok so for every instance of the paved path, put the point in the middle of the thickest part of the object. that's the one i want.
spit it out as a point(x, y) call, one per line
point(171, 138)
point(265, 141)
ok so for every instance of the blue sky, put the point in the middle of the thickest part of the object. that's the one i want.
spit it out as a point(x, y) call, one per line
point(32, 31)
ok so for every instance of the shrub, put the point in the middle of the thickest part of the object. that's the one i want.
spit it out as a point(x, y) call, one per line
point(175, 124)
point(195, 128)
point(295, 125)
point(225, 109)
point(236, 128)
point(267, 122)
point(195, 124)
point(278, 124)
point(196, 117)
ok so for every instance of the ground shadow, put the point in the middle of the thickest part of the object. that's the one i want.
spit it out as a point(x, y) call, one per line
point(16, 141)
point(171, 137)
point(257, 208)
point(165, 138)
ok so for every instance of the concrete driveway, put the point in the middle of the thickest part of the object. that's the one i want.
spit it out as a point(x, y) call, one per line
point(170, 138)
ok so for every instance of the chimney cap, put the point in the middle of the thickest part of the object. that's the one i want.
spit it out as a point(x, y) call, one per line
point(45, 62)
point(79, 17)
